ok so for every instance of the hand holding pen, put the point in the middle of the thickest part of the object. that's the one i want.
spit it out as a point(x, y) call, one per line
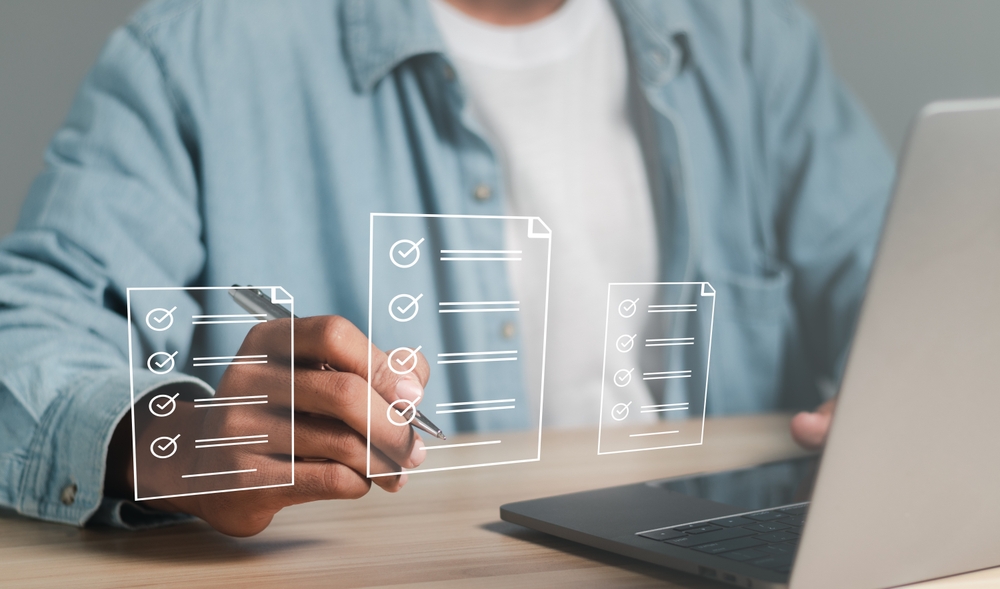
point(330, 445)
point(253, 301)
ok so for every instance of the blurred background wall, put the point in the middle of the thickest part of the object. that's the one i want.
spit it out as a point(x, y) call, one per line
point(895, 54)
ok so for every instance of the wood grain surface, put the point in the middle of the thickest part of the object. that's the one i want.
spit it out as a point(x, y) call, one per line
point(442, 531)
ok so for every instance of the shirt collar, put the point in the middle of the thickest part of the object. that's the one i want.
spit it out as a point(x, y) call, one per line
point(658, 33)
point(380, 35)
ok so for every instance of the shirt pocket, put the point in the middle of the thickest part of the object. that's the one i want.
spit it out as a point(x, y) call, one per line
point(749, 339)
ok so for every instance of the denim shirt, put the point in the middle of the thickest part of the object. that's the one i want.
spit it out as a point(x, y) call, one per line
point(225, 141)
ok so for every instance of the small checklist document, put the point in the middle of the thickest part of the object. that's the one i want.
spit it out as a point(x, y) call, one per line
point(186, 448)
point(438, 288)
point(659, 334)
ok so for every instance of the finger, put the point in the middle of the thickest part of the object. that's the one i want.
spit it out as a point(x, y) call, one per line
point(336, 341)
point(809, 430)
point(344, 396)
point(269, 384)
point(331, 439)
point(273, 338)
point(317, 481)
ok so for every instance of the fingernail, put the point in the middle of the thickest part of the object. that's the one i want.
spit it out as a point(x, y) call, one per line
point(402, 479)
point(418, 453)
point(410, 390)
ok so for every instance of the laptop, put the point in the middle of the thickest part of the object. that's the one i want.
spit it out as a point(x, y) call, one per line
point(908, 485)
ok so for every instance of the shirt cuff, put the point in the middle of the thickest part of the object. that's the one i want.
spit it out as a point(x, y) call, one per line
point(63, 479)
point(120, 513)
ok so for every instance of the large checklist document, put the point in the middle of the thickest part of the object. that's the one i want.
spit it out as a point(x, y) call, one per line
point(661, 334)
point(185, 450)
point(436, 290)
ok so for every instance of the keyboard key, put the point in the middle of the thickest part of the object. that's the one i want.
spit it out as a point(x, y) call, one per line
point(767, 527)
point(662, 534)
point(709, 537)
point(775, 537)
point(765, 516)
point(703, 529)
point(748, 554)
point(691, 527)
point(781, 563)
point(732, 522)
point(798, 510)
point(729, 545)
point(794, 520)
point(783, 548)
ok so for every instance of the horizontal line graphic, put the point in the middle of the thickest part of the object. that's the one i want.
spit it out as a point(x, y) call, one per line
point(474, 409)
point(443, 446)
point(480, 252)
point(207, 405)
point(230, 439)
point(212, 474)
point(473, 403)
point(229, 321)
point(459, 304)
point(477, 360)
point(669, 341)
point(480, 259)
point(239, 316)
point(666, 375)
point(450, 354)
point(500, 310)
point(221, 444)
point(214, 399)
point(247, 357)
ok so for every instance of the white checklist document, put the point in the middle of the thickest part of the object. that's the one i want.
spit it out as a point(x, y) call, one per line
point(664, 340)
point(169, 463)
point(440, 299)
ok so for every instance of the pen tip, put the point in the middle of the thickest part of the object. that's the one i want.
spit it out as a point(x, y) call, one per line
point(442, 436)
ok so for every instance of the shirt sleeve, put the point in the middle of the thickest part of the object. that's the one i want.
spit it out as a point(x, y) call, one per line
point(115, 207)
point(832, 173)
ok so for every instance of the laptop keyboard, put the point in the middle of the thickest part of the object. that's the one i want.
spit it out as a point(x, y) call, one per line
point(767, 539)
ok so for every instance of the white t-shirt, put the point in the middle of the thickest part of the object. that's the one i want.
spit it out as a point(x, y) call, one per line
point(553, 98)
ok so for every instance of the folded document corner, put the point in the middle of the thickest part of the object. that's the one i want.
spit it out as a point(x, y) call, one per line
point(538, 229)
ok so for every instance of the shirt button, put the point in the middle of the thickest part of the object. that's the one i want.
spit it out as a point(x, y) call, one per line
point(507, 330)
point(659, 58)
point(68, 494)
point(448, 72)
point(482, 192)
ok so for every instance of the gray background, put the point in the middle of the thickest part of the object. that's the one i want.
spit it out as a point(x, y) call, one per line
point(895, 54)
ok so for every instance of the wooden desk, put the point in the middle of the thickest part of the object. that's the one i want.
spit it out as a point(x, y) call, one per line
point(443, 530)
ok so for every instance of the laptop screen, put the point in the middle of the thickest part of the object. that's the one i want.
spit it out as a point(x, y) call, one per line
point(759, 487)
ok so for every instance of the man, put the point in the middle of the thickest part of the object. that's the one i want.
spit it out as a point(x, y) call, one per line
point(231, 142)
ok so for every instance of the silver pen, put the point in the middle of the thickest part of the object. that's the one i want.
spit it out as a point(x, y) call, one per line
point(254, 301)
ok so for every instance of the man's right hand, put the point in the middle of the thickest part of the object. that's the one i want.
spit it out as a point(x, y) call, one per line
point(331, 419)
point(809, 429)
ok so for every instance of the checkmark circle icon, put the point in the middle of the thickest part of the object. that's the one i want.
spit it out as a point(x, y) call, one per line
point(162, 405)
point(393, 412)
point(160, 319)
point(624, 343)
point(623, 377)
point(403, 360)
point(405, 253)
point(627, 307)
point(161, 362)
point(620, 411)
point(164, 447)
point(404, 307)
